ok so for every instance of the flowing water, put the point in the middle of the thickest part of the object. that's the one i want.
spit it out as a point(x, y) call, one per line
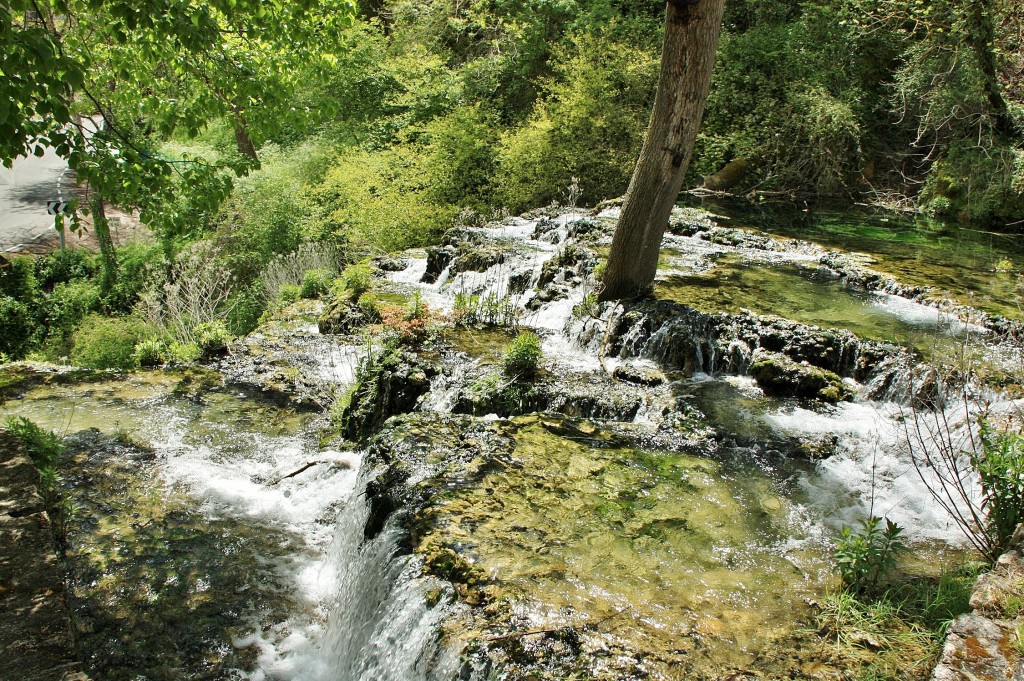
point(689, 558)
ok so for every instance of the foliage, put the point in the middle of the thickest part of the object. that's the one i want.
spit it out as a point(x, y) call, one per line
point(212, 338)
point(149, 74)
point(490, 310)
point(356, 280)
point(108, 342)
point(377, 201)
point(523, 356)
point(152, 352)
point(66, 306)
point(589, 127)
point(1000, 467)
point(293, 268)
point(197, 291)
point(868, 554)
point(19, 328)
point(315, 283)
point(288, 294)
point(411, 325)
point(45, 448)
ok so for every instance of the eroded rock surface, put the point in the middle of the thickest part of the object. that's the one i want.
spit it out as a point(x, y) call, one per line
point(36, 639)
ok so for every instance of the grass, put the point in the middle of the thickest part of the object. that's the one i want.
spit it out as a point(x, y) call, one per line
point(898, 633)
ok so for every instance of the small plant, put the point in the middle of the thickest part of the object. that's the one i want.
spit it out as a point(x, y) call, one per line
point(866, 555)
point(411, 325)
point(1003, 265)
point(490, 310)
point(523, 356)
point(357, 280)
point(213, 338)
point(151, 352)
point(1000, 467)
point(316, 283)
point(588, 307)
point(44, 448)
point(288, 294)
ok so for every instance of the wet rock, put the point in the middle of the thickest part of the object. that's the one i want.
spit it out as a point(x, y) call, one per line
point(638, 374)
point(438, 259)
point(678, 336)
point(344, 316)
point(391, 383)
point(780, 376)
point(389, 263)
point(36, 637)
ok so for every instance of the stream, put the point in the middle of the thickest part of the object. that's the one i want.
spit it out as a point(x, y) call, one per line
point(674, 528)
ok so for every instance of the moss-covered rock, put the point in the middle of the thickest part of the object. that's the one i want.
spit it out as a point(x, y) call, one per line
point(780, 376)
point(390, 383)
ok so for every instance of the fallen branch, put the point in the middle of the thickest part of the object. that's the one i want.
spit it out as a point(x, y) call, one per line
point(309, 464)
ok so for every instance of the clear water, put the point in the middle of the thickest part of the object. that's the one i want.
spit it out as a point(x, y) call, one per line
point(916, 250)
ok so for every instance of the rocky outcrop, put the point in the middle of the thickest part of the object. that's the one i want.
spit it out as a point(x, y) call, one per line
point(390, 383)
point(986, 643)
point(36, 638)
point(780, 376)
point(683, 338)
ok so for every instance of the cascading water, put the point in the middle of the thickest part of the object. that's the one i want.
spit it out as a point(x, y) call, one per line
point(362, 608)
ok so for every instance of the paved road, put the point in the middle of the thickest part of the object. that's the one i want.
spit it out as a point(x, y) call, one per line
point(24, 191)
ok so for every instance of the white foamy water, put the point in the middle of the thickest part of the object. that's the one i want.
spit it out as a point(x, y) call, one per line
point(871, 473)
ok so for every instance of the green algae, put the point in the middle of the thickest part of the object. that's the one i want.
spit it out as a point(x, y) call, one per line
point(684, 562)
point(973, 267)
point(808, 295)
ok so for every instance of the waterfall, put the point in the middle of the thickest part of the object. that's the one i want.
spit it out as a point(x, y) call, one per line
point(385, 619)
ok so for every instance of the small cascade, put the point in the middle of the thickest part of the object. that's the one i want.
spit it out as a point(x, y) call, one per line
point(385, 620)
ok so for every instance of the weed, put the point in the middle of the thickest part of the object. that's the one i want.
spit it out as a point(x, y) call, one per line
point(523, 357)
point(866, 555)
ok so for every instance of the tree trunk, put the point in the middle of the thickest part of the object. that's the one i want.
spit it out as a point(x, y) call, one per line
point(982, 39)
point(245, 146)
point(687, 56)
point(107, 255)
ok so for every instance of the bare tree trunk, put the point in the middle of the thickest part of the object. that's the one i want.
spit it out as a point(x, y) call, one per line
point(245, 146)
point(687, 57)
point(102, 228)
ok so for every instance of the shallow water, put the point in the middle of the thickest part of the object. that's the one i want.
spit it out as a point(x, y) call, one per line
point(916, 250)
point(805, 294)
point(699, 563)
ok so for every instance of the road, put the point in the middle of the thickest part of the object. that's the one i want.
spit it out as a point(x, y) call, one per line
point(24, 191)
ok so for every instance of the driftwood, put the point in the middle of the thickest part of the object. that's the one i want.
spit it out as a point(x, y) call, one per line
point(306, 467)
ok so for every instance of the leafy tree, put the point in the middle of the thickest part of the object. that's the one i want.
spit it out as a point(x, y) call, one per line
point(103, 82)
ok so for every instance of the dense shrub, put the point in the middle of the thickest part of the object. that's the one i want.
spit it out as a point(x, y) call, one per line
point(212, 338)
point(378, 201)
point(109, 342)
point(19, 327)
point(590, 127)
point(523, 357)
point(316, 283)
point(66, 306)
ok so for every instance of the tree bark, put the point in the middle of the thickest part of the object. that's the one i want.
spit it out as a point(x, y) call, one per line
point(982, 39)
point(687, 57)
point(108, 257)
point(245, 146)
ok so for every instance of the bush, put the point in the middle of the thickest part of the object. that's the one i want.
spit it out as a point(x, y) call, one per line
point(355, 281)
point(288, 294)
point(523, 356)
point(213, 338)
point(19, 327)
point(151, 353)
point(66, 306)
point(44, 447)
point(108, 342)
point(1000, 466)
point(378, 201)
point(591, 127)
point(316, 283)
point(246, 306)
point(866, 555)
